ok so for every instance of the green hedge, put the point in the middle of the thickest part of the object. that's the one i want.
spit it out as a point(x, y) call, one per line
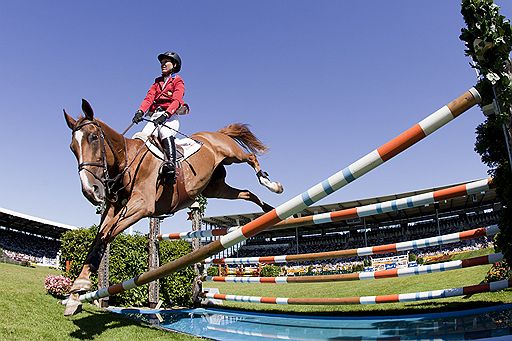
point(270, 270)
point(213, 270)
point(129, 258)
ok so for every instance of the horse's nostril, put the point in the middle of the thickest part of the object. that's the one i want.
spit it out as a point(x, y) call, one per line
point(95, 189)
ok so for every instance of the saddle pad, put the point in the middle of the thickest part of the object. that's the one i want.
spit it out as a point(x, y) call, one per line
point(188, 146)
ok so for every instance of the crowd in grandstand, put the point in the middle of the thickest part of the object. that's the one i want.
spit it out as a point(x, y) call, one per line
point(26, 247)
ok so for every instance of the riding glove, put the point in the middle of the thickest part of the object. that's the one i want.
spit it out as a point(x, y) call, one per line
point(161, 119)
point(138, 116)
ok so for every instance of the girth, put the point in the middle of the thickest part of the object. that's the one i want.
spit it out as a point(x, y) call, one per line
point(182, 198)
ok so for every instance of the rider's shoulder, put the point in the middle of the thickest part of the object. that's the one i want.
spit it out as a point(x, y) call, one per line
point(177, 78)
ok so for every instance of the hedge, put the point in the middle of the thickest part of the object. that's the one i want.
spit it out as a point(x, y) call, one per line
point(129, 258)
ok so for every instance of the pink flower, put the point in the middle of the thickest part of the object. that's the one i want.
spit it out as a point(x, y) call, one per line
point(57, 285)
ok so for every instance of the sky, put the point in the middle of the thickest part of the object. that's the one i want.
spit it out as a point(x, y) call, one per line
point(321, 83)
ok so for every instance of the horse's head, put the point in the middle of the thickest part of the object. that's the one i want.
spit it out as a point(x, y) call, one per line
point(88, 145)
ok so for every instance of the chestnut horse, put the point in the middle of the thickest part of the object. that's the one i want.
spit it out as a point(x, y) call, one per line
point(122, 175)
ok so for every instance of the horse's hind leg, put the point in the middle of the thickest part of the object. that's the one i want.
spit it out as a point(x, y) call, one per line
point(218, 188)
point(252, 160)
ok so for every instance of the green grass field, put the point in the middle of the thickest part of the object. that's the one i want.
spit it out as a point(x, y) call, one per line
point(28, 313)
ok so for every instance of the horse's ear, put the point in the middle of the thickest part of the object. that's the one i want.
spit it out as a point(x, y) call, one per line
point(87, 110)
point(69, 120)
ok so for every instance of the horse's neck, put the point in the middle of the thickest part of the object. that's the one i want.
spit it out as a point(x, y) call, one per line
point(117, 143)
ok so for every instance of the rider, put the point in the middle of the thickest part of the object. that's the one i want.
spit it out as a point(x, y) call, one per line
point(164, 102)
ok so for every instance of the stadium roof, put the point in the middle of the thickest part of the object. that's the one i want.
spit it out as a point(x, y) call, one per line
point(30, 224)
point(480, 201)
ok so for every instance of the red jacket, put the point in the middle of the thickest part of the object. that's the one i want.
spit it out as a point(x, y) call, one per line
point(168, 98)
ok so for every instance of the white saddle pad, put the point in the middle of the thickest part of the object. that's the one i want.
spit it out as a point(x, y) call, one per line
point(189, 146)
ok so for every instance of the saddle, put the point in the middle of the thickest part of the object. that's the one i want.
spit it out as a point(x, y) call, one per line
point(185, 148)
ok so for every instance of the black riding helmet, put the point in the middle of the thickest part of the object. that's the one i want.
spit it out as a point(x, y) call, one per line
point(174, 56)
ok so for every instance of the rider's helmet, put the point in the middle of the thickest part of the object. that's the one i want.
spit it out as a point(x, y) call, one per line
point(174, 56)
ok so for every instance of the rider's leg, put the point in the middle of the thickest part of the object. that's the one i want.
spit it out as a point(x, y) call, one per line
point(166, 136)
point(168, 167)
point(149, 128)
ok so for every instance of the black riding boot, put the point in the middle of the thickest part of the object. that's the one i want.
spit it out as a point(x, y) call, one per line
point(168, 168)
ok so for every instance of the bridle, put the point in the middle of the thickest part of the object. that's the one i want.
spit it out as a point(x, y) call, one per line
point(107, 182)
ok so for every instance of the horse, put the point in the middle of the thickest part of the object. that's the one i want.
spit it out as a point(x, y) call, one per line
point(122, 175)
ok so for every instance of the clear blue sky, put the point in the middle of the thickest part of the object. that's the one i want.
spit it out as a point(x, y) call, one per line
point(322, 83)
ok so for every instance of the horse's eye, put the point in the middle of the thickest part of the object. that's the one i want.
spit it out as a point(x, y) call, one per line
point(93, 137)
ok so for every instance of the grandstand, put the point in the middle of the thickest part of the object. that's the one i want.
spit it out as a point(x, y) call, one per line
point(444, 217)
point(28, 238)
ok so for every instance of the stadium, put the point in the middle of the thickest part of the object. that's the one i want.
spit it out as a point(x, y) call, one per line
point(213, 205)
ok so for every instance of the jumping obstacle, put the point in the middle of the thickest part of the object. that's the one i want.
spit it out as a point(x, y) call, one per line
point(357, 169)
point(356, 212)
point(197, 234)
point(420, 270)
point(391, 205)
point(409, 297)
point(365, 251)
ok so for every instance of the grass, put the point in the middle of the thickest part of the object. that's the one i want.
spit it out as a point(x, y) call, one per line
point(434, 281)
point(28, 313)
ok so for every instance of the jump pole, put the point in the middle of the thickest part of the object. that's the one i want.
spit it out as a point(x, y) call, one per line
point(365, 251)
point(391, 205)
point(355, 212)
point(391, 273)
point(360, 167)
point(197, 234)
point(394, 298)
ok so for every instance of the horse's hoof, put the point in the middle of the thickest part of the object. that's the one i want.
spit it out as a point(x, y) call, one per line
point(278, 187)
point(73, 305)
point(274, 186)
point(80, 285)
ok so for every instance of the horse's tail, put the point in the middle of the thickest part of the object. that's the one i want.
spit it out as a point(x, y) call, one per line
point(244, 136)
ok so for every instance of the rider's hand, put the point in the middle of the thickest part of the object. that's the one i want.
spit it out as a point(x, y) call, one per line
point(161, 119)
point(138, 116)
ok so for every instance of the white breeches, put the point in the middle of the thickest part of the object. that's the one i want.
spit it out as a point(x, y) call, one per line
point(169, 129)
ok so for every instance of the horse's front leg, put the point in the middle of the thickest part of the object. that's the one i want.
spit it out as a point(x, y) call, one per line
point(93, 259)
point(111, 227)
point(83, 283)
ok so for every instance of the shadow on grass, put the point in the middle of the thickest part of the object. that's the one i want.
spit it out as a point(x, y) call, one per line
point(97, 322)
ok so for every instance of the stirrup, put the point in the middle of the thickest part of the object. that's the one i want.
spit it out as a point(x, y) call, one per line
point(168, 172)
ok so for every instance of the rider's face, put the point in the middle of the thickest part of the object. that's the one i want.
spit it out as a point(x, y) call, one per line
point(167, 66)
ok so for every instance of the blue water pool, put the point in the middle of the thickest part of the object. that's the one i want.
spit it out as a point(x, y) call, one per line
point(490, 323)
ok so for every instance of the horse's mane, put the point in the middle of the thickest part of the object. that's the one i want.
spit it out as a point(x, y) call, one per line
point(243, 135)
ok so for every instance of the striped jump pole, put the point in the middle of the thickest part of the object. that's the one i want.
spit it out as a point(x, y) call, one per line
point(357, 169)
point(387, 206)
point(409, 297)
point(361, 211)
point(364, 251)
point(391, 205)
point(420, 270)
point(197, 234)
